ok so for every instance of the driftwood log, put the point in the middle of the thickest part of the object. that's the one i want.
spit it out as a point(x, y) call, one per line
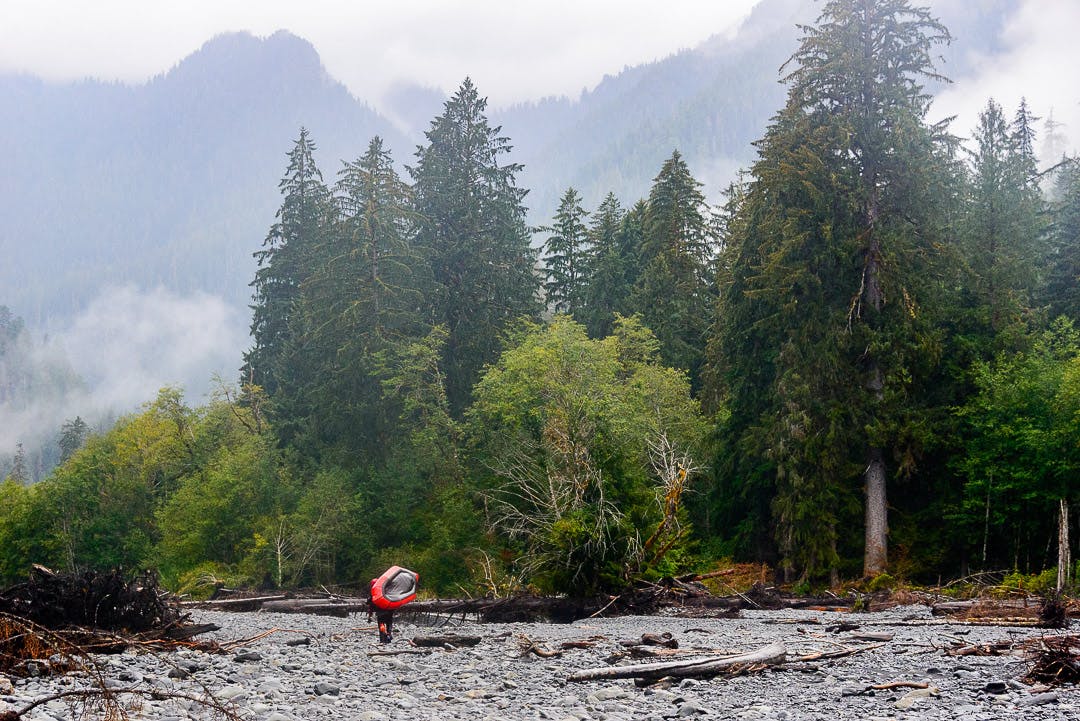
point(234, 604)
point(644, 600)
point(774, 653)
point(450, 639)
point(321, 607)
point(987, 607)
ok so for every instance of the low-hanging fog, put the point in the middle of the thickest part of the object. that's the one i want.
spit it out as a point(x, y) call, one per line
point(126, 345)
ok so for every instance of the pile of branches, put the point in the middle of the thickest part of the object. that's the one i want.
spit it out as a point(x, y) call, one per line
point(1056, 660)
point(105, 600)
point(64, 616)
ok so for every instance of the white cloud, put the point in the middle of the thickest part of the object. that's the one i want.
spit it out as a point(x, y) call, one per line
point(129, 343)
point(1039, 61)
point(126, 346)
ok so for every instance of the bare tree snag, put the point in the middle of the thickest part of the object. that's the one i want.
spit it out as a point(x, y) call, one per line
point(1064, 557)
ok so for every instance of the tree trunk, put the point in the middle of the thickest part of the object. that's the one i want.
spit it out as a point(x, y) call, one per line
point(875, 558)
point(1064, 557)
point(875, 555)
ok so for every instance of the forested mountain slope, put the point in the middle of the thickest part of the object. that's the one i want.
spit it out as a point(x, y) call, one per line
point(169, 183)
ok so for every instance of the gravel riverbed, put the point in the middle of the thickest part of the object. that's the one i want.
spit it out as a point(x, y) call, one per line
point(317, 667)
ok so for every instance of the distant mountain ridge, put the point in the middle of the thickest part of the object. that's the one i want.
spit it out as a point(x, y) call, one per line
point(170, 183)
point(173, 183)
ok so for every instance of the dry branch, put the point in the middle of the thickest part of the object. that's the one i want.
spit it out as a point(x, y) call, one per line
point(841, 653)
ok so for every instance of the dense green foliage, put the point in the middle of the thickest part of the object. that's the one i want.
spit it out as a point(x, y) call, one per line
point(1023, 449)
point(569, 430)
point(869, 310)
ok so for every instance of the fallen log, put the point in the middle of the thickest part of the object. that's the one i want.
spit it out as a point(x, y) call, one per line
point(234, 604)
point(870, 636)
point(320, 607)
point(450, 639)
point(774, 653)
point(987, 607)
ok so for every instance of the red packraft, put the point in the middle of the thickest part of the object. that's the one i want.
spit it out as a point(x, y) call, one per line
point(394, 588)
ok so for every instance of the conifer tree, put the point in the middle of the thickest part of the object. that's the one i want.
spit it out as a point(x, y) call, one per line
point(826, 327)
point(73, 435)
point(674, 292)
point(375, 262)
point(284, 263)
point(566, 255)
point(1062, 291)
point(364, 298)
point(473, 229)
point(613, 255)
point(1002, 230)
point(19, 473)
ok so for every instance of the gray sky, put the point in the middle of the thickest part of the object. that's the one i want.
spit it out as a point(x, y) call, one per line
point(513, 49)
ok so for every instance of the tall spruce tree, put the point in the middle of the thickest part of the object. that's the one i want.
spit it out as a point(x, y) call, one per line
point(1062, 288)
point(284, 263)
point(612, 257)
point(375, 261)
point(473, 228)
point(566, 254)
point(1002, 228)
point(363, 299)
point(826, 329)
point(674, 292)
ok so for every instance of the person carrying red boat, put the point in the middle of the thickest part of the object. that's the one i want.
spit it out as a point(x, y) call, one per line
point(392, 590)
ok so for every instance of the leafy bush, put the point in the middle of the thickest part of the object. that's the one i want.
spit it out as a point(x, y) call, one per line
point(200, 582)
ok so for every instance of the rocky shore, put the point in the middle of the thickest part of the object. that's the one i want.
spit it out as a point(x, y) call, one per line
point(314, 667)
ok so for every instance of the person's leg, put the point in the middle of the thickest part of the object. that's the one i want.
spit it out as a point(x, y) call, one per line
point(385, 619)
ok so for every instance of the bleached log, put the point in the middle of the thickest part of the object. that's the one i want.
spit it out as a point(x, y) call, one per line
point(695, 668)
point(320, 607)
point(234, 604)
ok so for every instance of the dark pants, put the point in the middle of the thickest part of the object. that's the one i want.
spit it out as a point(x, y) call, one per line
point(385, 619)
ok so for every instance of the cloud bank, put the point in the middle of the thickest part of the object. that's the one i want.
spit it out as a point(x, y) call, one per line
point(125, 346)
point(1038, 61)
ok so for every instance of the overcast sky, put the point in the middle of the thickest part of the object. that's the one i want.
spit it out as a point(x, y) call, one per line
point(514, 49)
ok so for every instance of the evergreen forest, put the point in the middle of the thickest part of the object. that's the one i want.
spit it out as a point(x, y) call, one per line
point(865, 360)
